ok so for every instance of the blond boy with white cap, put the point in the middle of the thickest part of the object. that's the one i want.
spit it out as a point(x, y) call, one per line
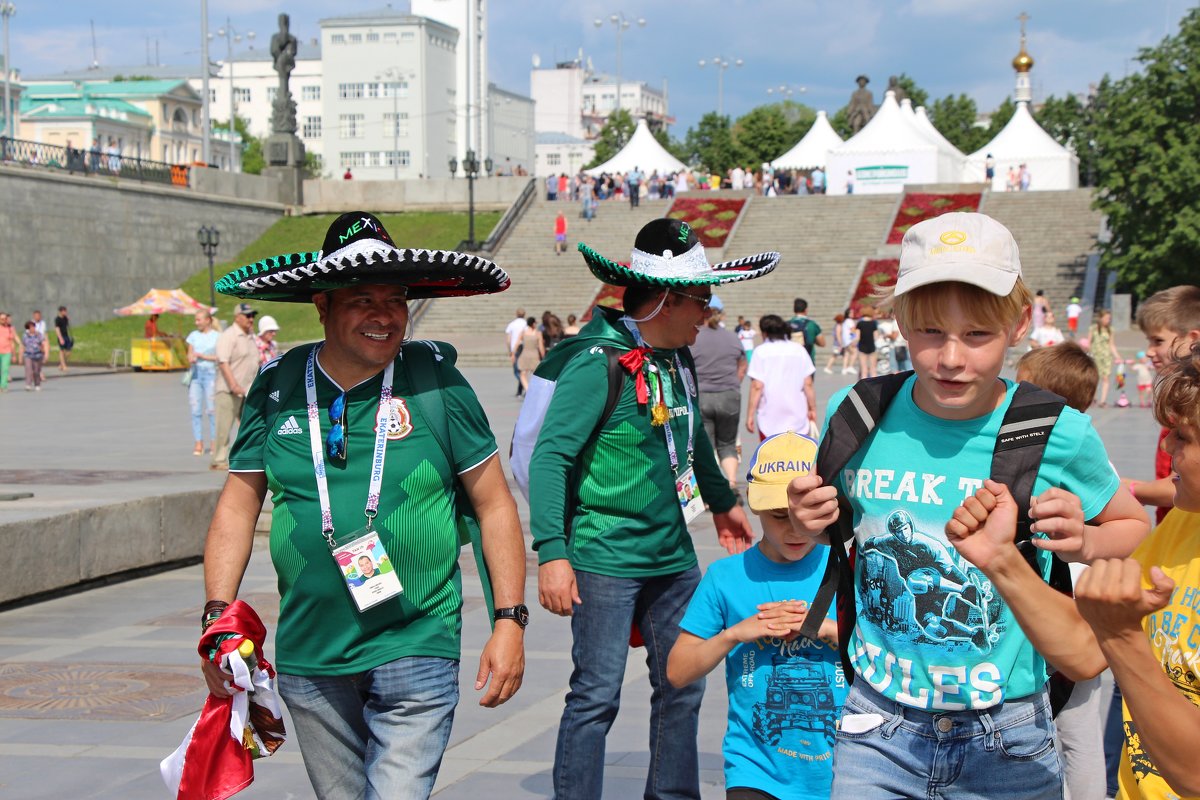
point(954, 634)
point(785, 691)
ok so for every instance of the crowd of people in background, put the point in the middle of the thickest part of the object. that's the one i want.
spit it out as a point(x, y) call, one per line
point(635, 185)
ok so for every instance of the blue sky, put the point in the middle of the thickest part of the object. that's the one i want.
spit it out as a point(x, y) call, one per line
point(949, 46)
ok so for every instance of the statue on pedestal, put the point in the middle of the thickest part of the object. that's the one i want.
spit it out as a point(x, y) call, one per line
point(283, 50)
point(862, 105)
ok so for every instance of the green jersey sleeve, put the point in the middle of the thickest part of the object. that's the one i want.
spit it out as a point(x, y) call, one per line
point(471, 436)
point(247, 452)
point(570, 421)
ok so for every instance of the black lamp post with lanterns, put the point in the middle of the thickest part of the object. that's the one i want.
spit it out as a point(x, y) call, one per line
point(210, 238)
point(470, 165)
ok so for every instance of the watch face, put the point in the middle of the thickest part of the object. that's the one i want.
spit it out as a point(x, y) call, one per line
point(522, 615)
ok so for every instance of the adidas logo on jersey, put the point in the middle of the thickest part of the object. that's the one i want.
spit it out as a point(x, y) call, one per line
point(289, 428)
point(274, 395)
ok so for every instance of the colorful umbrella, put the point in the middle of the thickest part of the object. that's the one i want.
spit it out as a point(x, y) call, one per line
point(163, 301)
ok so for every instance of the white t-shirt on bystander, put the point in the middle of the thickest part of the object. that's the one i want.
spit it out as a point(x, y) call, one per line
point(782, 367)
point(514, 330)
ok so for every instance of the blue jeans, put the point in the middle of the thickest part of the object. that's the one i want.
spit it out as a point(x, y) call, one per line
point(375, 735)
point(600, 629)
point(200, 398)
point(1003, 752)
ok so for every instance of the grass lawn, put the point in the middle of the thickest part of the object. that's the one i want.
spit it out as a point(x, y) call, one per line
point(297, 321)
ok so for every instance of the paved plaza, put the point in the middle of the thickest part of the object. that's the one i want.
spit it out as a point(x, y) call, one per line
point(96, 687)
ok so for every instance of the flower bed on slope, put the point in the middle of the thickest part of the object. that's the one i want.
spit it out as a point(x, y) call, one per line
point(711, 219)
point(876, 272)
point(917, 207)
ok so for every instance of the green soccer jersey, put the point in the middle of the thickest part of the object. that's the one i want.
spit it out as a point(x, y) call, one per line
point(608, 501)
point(321, 632)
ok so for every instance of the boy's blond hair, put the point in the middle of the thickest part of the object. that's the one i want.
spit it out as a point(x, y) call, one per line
point(1177, 392)
point(926, 305)
point(1176, 309)
point(1064, 369)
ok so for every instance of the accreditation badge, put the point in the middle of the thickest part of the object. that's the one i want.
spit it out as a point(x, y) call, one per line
point(366, 569)
point(688, 491)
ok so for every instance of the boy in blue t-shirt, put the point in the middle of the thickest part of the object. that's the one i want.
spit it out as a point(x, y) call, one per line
point(785, 693)
point(950, 657)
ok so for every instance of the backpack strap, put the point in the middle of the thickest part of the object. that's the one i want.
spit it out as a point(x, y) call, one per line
point(420, 362)
point(1020, 446)
point(616, 382)
point(848, 429)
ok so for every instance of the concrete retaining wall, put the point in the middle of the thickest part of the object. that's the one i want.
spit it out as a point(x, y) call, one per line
point(258, 188)
point(94, 244)
point(431, 194)
point(58, 552)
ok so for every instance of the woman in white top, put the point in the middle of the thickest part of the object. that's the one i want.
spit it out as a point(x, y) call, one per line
point(781, 383)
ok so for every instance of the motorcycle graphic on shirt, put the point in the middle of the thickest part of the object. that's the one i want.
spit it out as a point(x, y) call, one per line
point(915, 584)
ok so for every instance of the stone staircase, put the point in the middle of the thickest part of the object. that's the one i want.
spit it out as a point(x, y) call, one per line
point(822, 239)
point(1055, 231)
point(541, 280)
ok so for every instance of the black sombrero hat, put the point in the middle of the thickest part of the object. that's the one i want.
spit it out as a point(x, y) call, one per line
point(667, 253)
point(357, 250)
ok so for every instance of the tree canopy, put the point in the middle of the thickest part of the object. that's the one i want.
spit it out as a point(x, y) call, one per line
point(1147, 134)
point(613, 136)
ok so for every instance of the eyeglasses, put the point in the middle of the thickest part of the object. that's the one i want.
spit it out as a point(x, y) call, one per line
point(335, 442)
point(705, 301)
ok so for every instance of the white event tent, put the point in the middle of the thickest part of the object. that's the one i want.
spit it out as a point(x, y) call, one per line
point(813, 150)
point(1022, 141)
point(890, 151)
point(642, 151)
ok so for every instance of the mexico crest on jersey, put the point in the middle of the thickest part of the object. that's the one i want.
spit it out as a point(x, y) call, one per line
point(399, 422)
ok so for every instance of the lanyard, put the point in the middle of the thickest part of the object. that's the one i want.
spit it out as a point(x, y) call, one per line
point(687, 393)
point(318, 450)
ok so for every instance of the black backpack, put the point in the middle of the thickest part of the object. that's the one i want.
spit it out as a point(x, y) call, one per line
point(1020, 444)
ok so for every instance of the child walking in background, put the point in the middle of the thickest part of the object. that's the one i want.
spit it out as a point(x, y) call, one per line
point(1144, 374)
point(785, 693)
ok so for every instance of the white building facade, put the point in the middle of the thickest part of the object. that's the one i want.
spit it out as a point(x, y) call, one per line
point(254, 84)
point(573, 100)
point(472, 82)
point(389, 96)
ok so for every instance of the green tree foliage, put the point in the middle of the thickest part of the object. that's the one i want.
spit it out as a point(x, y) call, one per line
point(1147, 133)
point(916, 94)
point(1069, 121)
point(762, 134)
point(710, 144)
point(615, 134)
point(954, 117)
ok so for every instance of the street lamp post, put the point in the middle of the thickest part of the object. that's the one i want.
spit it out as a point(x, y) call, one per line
point(470, 165)
point(785, 91)
point(205, 69)
point(231, 36)
point(721, 64)
point(210, 238)
point(622, 23)
point(7, 11)
point(393, 76)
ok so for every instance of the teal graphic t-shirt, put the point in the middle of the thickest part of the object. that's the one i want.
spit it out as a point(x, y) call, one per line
point(932, 633)
point(784, 697)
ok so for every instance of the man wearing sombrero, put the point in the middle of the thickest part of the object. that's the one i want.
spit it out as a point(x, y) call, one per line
point(358, 438)
point(611, 498)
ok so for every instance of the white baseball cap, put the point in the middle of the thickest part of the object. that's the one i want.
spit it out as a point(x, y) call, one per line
point(966, 247)
point(267, 323)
